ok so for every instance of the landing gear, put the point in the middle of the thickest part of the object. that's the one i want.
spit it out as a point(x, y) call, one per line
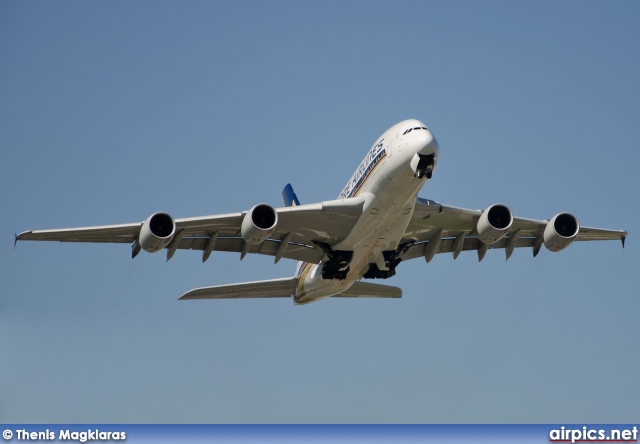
point(425, 166)
point(391, 261)
point(337, 265)
point(428, 172)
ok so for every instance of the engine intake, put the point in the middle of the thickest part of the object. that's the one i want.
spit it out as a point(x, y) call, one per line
point(156, 232)
point(561, 231)
point(494, 223)
point(259, 222)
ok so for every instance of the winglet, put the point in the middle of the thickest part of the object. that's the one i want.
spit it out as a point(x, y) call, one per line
point(15, 242)
point(623, 238)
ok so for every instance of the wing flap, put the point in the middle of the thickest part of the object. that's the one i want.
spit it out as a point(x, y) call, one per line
point(269, 247)
point(473, 243)
point(274, 288)
point(470, 244)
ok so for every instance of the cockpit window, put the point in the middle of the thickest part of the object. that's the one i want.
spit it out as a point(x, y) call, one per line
point(416, 128)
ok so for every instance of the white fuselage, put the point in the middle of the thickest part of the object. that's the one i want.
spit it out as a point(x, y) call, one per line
point(387, 180)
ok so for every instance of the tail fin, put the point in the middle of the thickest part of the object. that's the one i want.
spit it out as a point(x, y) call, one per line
point(289, 198)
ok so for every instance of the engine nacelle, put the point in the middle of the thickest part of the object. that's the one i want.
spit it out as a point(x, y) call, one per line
point(258, 223)
point(494, 223)
point(561, 231)
point(156, 232)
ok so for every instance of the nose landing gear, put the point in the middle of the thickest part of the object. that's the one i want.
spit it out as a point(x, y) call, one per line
point(422, 172)
point(425, 166)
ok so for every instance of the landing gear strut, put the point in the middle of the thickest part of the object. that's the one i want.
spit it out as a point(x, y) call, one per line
point(391, 261)
point(337, 266)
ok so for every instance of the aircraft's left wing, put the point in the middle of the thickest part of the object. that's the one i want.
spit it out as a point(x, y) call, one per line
point(435, 228)
point(294, 236)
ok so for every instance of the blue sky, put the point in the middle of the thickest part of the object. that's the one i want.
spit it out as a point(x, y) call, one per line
point(110, 111)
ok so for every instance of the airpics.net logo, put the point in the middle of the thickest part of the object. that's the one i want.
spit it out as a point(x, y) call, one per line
point(586, 434)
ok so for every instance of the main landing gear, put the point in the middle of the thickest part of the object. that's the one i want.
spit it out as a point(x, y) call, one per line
point(391, 261)
point(425, 166)
point(337, 265)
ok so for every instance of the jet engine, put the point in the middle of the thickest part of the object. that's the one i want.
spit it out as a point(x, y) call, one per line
point(156, 232)
point(560, 232)
point(494, 223)
point(258, 223)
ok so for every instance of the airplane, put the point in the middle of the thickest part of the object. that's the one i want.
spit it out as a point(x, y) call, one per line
point(377, 222)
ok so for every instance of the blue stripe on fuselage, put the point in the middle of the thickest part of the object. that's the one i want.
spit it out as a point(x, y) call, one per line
point(353, 187)
point(355, 184)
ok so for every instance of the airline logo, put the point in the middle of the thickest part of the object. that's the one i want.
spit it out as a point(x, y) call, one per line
point(373, 157)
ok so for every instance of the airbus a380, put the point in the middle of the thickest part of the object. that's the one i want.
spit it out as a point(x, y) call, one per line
point(376, 222)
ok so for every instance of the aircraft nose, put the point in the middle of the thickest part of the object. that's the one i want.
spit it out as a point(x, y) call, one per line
point(427, 144)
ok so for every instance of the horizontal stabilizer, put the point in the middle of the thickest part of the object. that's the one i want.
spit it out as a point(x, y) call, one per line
point(369, 290)
point(274, 288)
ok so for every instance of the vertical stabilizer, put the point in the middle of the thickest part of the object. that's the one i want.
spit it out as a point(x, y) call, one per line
point(289, 198)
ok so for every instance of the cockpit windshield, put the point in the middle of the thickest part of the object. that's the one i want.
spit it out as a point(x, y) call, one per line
point(415, 129)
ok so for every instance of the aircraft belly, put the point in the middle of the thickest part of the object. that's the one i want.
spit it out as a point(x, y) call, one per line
point(311, 287)
point(390, 196)
point(383, 229)
point(385, 238)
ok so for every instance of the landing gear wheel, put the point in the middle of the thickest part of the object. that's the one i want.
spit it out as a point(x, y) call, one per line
point(429, 172)
point(420, 173)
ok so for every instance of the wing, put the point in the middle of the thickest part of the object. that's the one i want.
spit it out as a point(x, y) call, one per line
point(294, 237)
point(435, 228)
point(274, 288)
